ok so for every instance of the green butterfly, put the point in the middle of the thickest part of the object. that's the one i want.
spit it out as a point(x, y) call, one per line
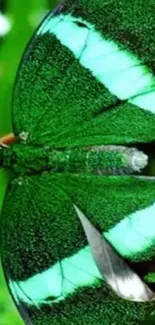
point(78, 220)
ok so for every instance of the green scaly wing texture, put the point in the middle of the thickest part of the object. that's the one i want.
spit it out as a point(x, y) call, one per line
point(87, 78)
point(49, 266)
point(79, 83)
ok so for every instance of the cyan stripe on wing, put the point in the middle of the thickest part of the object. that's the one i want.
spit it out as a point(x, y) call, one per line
point(119, 70)
point(58, 281)
point(133, 234)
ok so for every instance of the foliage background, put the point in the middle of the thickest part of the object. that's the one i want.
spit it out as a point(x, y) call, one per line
point(24, 17)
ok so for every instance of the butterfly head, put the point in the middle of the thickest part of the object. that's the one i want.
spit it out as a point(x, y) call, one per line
point(7, 140)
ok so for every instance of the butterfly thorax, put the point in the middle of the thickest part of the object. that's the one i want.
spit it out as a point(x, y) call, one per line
point(29, 159)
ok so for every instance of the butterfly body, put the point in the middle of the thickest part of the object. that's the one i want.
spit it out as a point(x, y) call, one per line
point(83, 104)
point(28, 159)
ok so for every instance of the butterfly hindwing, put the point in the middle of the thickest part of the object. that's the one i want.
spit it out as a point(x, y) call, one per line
point(49, 265)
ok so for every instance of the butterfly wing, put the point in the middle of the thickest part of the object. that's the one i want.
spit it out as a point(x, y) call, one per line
point(121, 278)
point(79, 84)
point(49, 266)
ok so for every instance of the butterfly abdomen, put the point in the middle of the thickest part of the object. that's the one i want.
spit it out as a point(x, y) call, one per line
point(94, 159)
point(101, 159)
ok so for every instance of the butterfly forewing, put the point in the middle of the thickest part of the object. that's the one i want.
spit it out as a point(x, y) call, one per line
point(76, 86)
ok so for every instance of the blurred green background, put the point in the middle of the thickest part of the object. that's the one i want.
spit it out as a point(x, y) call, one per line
point(23, 16)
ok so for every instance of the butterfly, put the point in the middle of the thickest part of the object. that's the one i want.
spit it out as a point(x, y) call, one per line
point(77, 229)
